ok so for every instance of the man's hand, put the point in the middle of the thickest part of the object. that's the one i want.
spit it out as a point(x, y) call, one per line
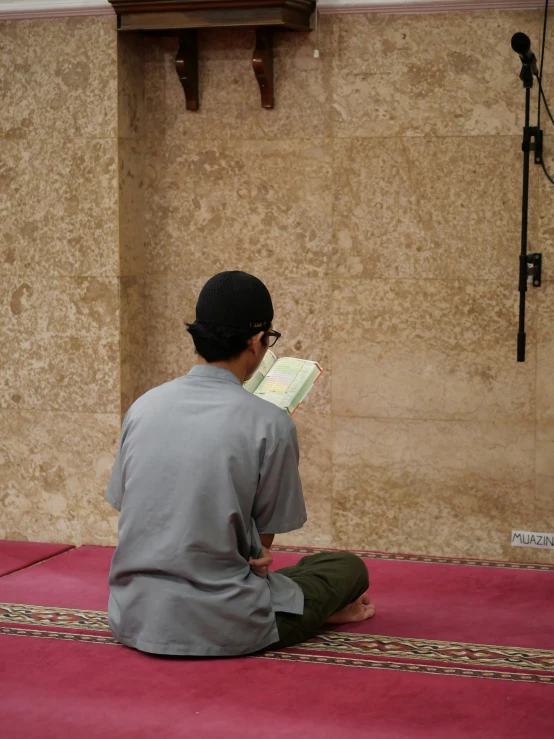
point(260, 567)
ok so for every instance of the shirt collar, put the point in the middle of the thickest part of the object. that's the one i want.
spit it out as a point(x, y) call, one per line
point(214, 373)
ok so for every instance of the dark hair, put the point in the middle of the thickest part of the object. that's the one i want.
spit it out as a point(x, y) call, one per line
point(217, 343)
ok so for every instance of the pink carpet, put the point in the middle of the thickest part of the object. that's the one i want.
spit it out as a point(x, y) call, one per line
point(424, 667)
point(16, 555)
point(509, 606)
point(78, 579)
point(64, 690)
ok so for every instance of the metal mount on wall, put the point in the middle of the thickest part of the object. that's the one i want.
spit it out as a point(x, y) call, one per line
point(184, 17)
point(535, 270)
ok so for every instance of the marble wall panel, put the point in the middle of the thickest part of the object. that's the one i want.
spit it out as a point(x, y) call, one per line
point(170, 303)
point(315, 442)
point(433, 349)
point(545, 362)
point(545, 478)
point(264, 207)
point(132, 260)
point(54, 469)
point(60, 343)
point(472, 316)
point(59, 78)
point(450, 488)
point(402, 76)
point(544, 491)
point(132, 339)
point(545, 195)
point(59, 314)
point(431, 208)
point(58, 206)
point(130, 85)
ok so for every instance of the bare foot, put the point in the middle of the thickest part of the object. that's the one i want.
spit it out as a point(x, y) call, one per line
point(360, 610)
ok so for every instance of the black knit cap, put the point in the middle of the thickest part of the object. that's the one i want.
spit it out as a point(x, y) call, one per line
point(237, 300)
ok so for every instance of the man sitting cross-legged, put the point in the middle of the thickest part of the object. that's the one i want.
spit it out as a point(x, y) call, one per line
point(205, 476)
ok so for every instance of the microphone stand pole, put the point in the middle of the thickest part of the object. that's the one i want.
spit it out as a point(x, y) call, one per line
point(535, 260)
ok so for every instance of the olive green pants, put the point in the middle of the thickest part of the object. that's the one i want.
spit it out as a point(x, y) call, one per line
point(329, 581)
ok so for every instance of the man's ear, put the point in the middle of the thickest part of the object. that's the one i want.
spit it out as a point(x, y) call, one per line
point(255, 340)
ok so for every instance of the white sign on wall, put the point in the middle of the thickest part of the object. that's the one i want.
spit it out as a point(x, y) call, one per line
point(532, 539)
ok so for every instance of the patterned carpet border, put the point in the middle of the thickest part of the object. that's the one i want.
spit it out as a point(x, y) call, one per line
point(518, 677)
point(429, 650)
point(68, 618)
point(59, 635)
point(69, 624)
point(313, 659)
point(422, 558)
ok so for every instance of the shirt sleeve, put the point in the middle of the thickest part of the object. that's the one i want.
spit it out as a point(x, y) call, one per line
point(279, 503)
point(114, 493)
point(116, 487)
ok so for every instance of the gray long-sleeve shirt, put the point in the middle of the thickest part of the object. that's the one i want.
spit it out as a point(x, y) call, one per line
point(203, 467)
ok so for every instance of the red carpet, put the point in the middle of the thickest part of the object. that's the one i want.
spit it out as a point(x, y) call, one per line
point(79, 579)
point(487, 604)
point(63, 690)
point(16, 555)
point(423, 667)
point(509, 606)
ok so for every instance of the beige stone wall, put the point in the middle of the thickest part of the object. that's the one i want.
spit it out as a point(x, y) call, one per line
point(379, 201)
point(59, 322)
point(132, 262)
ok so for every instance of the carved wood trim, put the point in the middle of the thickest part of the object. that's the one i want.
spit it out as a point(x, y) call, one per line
point(171, 6)
point(135, 15)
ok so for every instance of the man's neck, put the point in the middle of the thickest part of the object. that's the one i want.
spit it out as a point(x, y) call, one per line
point(236, 366)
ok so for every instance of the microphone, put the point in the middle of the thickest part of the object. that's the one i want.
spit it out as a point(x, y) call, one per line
point(521, 44)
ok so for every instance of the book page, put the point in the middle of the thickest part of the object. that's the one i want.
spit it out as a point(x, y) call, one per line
point(267, 363)
point(288, 382)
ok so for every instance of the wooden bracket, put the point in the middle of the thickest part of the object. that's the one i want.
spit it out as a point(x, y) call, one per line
point(262, 61)
point(186, 64)
point(183, 17)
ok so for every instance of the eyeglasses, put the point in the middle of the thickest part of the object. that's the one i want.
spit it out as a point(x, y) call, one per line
point(275, 335)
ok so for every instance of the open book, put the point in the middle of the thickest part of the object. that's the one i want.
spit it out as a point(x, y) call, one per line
point(284, 382)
